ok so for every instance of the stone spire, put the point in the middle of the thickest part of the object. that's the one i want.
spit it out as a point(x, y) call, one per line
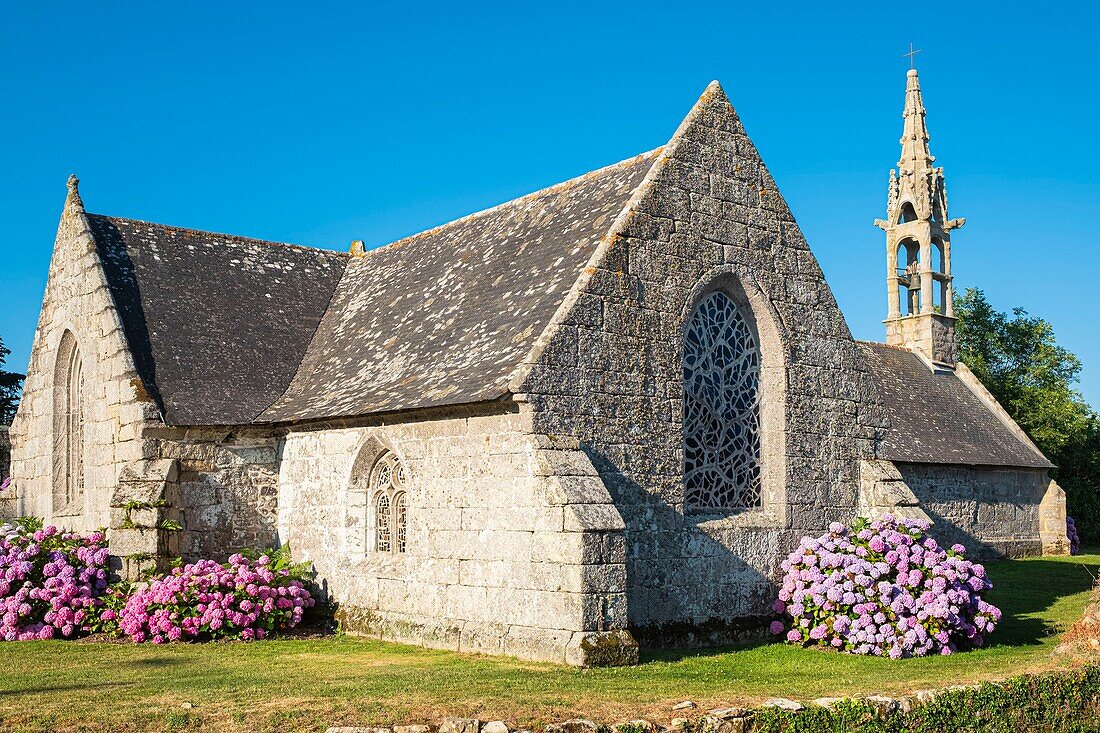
point(914, 137)
point(920, 316)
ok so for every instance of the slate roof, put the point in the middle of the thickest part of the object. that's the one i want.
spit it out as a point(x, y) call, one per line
point(936, 418)
point(446, 316)
point(217, 323)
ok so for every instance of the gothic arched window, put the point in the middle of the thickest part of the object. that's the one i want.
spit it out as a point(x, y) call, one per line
point(390, 517)
point(68, 428)
point(721, 408)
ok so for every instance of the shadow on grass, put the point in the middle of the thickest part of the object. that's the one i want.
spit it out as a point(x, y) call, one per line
point(155, 662)
point(1021, 589)
point(62, 688)
point(676, 655)
point(1024, 589)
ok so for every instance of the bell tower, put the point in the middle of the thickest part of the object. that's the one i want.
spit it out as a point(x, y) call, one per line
point(919, 316)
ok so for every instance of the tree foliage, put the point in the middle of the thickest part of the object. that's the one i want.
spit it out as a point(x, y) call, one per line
point(11, 385)
point(1018, 359)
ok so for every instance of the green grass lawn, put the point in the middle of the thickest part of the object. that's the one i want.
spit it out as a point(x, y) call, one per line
point(309, 684)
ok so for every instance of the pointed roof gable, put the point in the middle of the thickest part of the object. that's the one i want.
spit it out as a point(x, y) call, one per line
point(446, 317)
point(216, 324)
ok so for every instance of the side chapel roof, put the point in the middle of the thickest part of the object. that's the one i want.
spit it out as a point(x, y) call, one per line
point(936, 418)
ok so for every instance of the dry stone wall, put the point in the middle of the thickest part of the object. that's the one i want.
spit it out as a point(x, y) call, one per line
point(228, 487)
point(610, 375)
point(513, 544)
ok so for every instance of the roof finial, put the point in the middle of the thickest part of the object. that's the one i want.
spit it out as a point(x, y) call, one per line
point(73, 197)
point(911, 54)
point(358, 249)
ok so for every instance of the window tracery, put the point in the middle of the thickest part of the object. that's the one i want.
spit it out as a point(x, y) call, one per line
point(390, 514)
point(68, 428)
point(721, 408)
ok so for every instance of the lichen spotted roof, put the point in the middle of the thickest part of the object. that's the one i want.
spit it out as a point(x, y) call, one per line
point(229, 331)
point(217, 324)
point(446, 316)
point(936, 418)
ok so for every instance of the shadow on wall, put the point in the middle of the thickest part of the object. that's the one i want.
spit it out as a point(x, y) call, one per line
point(685, 588)
point(228, 487)
point(947, 531)
point(5, 453)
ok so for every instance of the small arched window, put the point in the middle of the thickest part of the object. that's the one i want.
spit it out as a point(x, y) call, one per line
point(721, 408)
point(69, 416)
point(389, 511)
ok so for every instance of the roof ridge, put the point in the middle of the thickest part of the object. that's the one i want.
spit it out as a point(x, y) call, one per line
point(533, 194)
point(239, 237)
point(869, 342)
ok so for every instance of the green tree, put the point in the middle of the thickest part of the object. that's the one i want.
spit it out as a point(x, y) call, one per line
point(11, 384)
point(1018, 359)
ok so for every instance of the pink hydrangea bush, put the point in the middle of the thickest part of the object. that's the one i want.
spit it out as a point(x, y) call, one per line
point(50, 582)
point(1072, 536)
point(883, 588)
point(243, 599)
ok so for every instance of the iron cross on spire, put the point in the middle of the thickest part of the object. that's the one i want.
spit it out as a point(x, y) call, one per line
point(911, 54)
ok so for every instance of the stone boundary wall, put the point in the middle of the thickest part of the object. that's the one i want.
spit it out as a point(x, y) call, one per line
point(514, 546)
point(682, 717)
point(994, 512)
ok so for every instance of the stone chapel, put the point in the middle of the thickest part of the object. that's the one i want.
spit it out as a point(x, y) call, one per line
point(592, 418)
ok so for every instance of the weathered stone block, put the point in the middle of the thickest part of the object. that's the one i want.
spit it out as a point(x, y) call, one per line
point(602, 649)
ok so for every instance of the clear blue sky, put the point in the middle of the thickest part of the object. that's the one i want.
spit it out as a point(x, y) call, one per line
point(320, 124)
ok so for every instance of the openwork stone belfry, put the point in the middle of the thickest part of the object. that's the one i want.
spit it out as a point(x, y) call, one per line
point(918, 243)
point(721, 408)
point(590, 419)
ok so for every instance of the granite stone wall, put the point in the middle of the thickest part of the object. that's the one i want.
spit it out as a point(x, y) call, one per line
point(227, 487)
point(117, 407)
point(5, 453)
point(610, 375)
point(9, 502)
point(992, 511)
point(513, 546)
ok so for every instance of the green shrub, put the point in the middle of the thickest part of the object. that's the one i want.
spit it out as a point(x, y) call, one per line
point(1065, 702)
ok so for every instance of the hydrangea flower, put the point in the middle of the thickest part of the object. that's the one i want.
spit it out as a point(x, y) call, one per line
point(242, 599)
point(1072, 536)
point(50, 582)
point(883, 588)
